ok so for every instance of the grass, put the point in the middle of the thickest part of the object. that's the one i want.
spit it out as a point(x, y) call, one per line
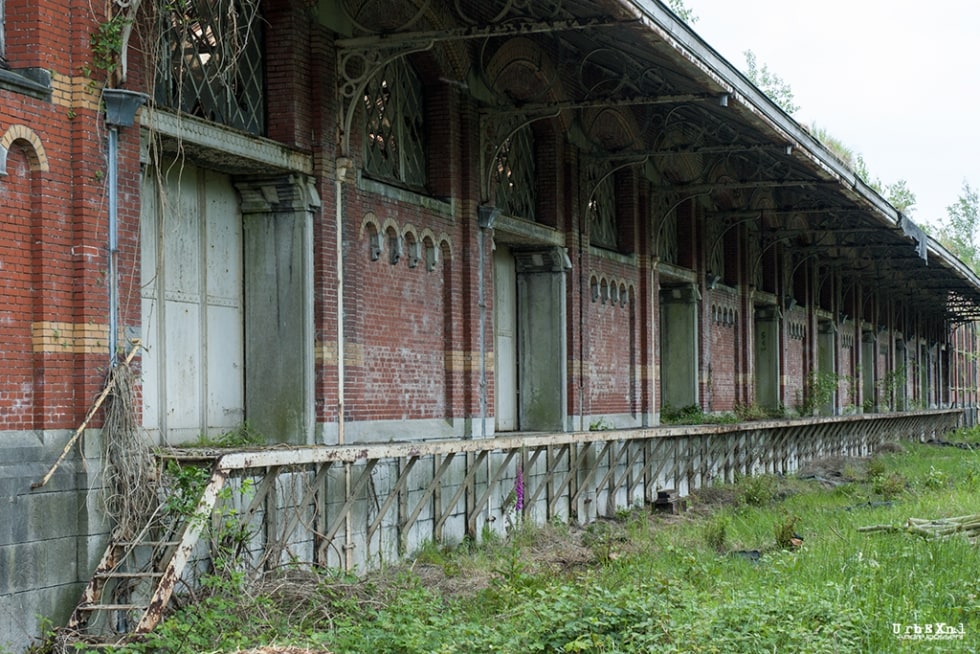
point(726, 576)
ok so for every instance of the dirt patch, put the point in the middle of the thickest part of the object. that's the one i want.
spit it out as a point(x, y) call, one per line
point(559, 550)
point(833, 471)
point(707, 500)
point(450, 582)
point(890, 447)
point(552, 552)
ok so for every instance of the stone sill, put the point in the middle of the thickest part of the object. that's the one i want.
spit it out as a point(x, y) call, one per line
point(33, 82)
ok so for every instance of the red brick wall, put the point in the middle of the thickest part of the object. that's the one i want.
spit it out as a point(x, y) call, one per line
point(402, 333)
point(794, 371)
point(412, 334)
point(17, 309)
point(53, 223)
point(850, 380)
point(722, 326)
point(613, 352)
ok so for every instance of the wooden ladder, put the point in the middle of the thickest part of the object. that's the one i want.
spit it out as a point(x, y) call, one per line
point(133, 583)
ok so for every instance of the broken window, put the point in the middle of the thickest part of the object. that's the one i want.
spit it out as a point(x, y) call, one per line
point(715, 238)
point(211, 62)
point(514, 175)
point(602, 213)
point(667, 238)
point(394, 129)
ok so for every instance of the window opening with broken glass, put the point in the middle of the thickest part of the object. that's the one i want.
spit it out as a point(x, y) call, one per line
point(514, 175)
point(394, 130)
point(211, 63)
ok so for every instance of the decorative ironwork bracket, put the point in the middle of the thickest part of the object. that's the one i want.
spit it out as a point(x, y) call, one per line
point(362, 57)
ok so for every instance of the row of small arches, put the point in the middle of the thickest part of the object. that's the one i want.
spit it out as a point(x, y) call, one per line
point(723, 315)
point(797, 330)
point(386, 239)
point(611, 291)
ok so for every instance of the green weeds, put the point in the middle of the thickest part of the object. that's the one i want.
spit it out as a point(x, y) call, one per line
point(648, 582)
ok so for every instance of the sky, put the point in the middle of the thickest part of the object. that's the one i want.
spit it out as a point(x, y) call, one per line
point(894, 80)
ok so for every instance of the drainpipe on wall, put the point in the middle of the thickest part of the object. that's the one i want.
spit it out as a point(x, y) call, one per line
point(342, 167)
point(120, 111)
point(486, 216)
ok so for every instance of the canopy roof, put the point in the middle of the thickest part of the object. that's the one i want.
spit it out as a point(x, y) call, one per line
point(697, 128)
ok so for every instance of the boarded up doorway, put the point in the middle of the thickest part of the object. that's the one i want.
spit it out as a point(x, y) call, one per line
point(529, 339)
point(227, 305)
point(679, 346)
point(192, 304)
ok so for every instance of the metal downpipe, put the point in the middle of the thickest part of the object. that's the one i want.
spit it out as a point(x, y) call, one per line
point(120, 111)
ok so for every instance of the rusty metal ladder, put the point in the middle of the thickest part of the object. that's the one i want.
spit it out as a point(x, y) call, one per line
point(138, 576)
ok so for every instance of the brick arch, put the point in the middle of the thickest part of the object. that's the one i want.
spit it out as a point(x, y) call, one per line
point(370, 224)
point(37, 158)
point(371, 228)
point(390, 227)
point(440, 241)
point(21, 274)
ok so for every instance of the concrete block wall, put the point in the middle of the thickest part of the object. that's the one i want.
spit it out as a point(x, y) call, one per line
point(50, 537)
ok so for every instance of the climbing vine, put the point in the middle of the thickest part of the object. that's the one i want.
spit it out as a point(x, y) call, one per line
point(106, 43)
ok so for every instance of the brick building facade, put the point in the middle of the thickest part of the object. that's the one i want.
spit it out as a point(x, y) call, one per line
point(341, 222)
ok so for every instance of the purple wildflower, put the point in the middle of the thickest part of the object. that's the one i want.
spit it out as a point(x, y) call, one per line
point(519, 491)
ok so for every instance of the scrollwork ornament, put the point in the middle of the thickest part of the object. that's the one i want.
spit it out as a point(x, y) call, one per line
point(356, 10)
point(509, 10)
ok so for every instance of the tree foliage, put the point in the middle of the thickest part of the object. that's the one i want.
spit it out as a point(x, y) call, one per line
point(778, 90)
point(898, 194)
point(959, 233)
point(901, 196)
point(685, 14)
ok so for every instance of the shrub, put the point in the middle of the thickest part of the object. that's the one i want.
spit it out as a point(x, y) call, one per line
point(785, 532)
point(759, 490)
point(890, 485)
point(716, 532)
point(688, 415)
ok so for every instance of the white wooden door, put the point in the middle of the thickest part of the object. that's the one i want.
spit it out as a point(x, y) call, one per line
point(192, 319)
point(505, 339)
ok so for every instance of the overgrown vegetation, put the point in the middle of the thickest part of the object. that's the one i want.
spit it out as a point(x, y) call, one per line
point(693, 414)
point(818, 391)
point(242, 436)
point(768, 563)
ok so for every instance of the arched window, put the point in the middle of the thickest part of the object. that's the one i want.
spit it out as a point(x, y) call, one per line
point(393, 127)
point(210, 62)
point(514, 175)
